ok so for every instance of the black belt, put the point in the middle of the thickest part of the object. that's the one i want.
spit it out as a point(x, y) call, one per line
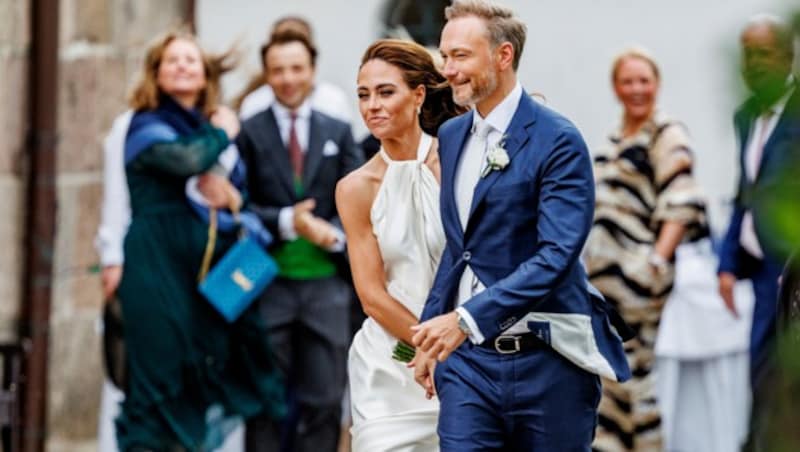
point(508, 344)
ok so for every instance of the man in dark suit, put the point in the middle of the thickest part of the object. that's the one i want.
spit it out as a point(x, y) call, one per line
point(294, 157)
point(767, 130)
point(517, 202)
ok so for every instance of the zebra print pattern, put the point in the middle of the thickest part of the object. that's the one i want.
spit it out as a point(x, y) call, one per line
point(641, 182)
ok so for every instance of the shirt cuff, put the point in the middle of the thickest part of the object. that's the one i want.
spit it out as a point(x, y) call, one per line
point(341, 241)
point(286, 224)
point(475, 335)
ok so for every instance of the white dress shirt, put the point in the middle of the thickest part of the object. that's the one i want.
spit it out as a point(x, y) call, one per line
point(302, 130)
point(760, 133)
point(115, 212)
point(325, 97)
point(499, 119)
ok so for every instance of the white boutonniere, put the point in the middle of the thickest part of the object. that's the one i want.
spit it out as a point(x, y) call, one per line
point(496, 158)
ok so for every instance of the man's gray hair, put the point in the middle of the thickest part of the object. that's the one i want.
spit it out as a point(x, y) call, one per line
point(501, 23)
point(780, 28)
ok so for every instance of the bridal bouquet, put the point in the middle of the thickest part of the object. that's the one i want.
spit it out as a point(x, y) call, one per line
point(403, 352)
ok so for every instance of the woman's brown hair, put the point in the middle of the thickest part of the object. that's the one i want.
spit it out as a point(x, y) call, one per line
point(145, 95)
point(418, 68)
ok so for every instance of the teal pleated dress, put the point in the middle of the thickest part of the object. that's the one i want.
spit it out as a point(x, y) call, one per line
point(192, 377)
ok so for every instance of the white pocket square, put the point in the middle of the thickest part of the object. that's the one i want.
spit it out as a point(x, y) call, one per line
point(330, 148)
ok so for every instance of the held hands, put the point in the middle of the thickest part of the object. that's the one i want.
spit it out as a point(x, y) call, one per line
point(226, 119)
point(219, 192)
point(312, 228)
point(424, 367)
point(439, 336)
point(726, 283)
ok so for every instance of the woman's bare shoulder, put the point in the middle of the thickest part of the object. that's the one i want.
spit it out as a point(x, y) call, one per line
point(360, 185)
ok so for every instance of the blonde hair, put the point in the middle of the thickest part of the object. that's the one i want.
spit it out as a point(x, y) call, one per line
point(145, 94)
point(501, 23)
point(638, 53)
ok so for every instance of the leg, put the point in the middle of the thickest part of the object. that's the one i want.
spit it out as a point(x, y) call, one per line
point(469, 396)
point(321, 364)
point(554, 405)
point(278, 307)
point(765, 311)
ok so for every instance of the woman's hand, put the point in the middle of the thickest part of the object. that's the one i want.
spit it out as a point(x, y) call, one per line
point(219, 192)
point(226, 119)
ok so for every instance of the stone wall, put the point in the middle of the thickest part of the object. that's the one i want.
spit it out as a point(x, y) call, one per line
point(101, 46)
point(14, 44)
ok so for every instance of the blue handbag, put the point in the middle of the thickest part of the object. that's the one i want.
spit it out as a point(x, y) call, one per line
point(239, 277)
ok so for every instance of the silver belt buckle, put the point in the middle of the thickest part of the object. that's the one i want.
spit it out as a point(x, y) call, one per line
point(499, 339)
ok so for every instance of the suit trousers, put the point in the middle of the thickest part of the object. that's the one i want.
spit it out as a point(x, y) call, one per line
point(528, 401)
point(309, 331)
point(765, 315)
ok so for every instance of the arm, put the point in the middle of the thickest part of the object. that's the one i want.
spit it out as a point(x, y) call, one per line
point(115, 213)
point(187, 155)
point(353, 198)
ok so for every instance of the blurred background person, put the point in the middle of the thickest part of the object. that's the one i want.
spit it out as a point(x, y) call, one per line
point(390, 210)
point(703, 358)
point(295, 155)
point(192, 376)
point(763, 229)
point(115, 216)
point(325, 96)
point(766, 127)
point(647, 202)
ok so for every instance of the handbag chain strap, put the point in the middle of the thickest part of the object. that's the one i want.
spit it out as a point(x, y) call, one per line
point(235, 207)
point(212, 242)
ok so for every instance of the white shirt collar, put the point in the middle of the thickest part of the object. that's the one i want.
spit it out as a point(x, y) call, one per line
point(500, 117)
point(303, 111)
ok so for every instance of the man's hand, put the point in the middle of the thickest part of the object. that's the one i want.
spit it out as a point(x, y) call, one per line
point(424, 367)
point(312, 228)
point(726, 283)
point(439, 336)
point(110, 277)
point(219, 192)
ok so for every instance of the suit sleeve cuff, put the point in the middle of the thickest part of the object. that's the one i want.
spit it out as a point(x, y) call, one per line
point(475, 336)
point(286, 224)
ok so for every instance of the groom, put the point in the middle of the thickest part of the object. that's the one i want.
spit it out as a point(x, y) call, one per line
point(517, 202)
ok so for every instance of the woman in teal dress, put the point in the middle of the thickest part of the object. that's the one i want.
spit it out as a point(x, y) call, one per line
point(191, 375)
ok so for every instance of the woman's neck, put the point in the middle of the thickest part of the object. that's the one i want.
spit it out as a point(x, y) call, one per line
point(187, 101)
point(403, 147)
point(632, 126)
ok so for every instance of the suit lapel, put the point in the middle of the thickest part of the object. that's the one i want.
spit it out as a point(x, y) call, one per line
point(460, 135)
point(313, 155)
point(516, 137)
point(788, 115)
point(272, 146)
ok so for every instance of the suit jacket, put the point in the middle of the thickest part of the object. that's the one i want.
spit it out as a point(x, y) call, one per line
point(331, 154)
point(523, 240)
point(780, 148)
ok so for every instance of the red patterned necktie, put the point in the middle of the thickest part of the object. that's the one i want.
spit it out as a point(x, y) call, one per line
point(295, 154)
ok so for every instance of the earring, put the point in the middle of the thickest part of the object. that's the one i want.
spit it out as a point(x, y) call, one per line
point(419, 110)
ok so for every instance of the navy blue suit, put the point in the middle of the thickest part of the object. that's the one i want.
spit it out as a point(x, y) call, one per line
point(733, 257)
point(523, 240)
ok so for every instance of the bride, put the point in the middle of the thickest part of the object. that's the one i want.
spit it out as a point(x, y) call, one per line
point(390, 211)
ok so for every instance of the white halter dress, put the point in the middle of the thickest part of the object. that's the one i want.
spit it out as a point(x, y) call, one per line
point(390, 412)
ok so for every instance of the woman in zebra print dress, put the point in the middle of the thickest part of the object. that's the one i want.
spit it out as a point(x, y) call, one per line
point(647, 202)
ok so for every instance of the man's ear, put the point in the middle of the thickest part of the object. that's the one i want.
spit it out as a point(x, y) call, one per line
point(504, 54)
